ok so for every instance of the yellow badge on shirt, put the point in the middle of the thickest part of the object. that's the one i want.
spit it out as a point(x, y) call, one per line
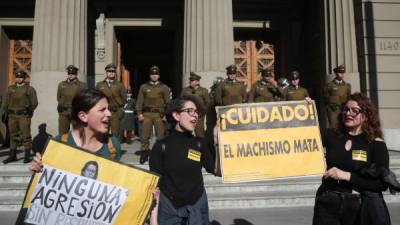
point(359, 155)
point(194, 155)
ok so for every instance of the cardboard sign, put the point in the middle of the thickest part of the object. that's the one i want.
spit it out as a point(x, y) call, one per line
point(261, 141)
point(78, 187)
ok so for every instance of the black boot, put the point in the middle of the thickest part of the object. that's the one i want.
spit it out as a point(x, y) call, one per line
point(12, 157)
point(144, 156)
point(27, 157)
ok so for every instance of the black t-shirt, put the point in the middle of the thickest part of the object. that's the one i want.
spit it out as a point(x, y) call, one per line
point(361, 155)
point(179, 159)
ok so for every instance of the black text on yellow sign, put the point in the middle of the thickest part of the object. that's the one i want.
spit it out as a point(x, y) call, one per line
point(262, 116)
point(89, 190)
point(269, 140)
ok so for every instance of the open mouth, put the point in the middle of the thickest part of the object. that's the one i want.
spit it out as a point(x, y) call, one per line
point(106, 123)
point(194, 121)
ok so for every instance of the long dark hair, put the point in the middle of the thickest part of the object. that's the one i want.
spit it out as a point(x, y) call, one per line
point(177, 104)
point(83, 101)
point(372, 126)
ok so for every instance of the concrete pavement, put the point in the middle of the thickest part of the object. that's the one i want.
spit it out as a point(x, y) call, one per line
point(277, 216)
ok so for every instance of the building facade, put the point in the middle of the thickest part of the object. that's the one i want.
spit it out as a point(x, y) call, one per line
point(204, 36)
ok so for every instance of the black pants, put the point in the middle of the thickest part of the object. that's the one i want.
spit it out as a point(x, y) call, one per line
point(335, 208)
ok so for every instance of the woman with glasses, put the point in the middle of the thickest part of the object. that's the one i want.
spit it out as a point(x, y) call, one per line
point(179, 159)
point(351, 189)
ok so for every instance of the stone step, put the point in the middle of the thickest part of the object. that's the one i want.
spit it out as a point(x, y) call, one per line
point(272, 200)
point(233, 201)
point(24, 176)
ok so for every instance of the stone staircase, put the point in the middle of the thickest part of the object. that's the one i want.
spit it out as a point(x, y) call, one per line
point(294, 192)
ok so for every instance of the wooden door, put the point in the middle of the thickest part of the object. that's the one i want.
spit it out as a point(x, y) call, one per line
point(122, 73)
point(250, 60)
point(19, 57)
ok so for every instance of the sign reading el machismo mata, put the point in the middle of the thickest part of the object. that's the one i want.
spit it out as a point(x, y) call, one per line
point(77, 187)
point(261, 141)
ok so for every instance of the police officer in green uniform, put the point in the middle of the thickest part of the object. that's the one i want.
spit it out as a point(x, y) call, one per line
point(65, 92)
point(294, 91)
point(264, 90)
point(116, 94)
point(150, 103)
point(201, 94)
point(19, 103)
point(230, 91)
point(336, 93)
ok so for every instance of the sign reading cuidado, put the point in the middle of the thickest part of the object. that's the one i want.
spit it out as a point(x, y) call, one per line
point(77, 187)
point(260, 141)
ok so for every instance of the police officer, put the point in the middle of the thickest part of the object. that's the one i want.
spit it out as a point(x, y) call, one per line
point(150, 103)
point(65, 92)
point(19, 102)
point(201, 94)
point(116, 94)
point(230, 91)
point(264, 90)
point(336, 93)
point(294, 91)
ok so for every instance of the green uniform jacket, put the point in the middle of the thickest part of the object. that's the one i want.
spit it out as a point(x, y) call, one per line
point(337, 93)
point(292, 93)
point(200, 93)
point(152, 95)
point(116, 93)
point(20, 98)
point(67, 90)
point(263, 91)
point(230, 92)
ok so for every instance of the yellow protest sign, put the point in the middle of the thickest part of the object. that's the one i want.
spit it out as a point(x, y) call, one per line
point(78, 187)
point(260, 141)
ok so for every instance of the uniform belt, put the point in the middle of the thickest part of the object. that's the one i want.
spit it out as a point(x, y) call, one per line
point(18, 112)
point(153, 110)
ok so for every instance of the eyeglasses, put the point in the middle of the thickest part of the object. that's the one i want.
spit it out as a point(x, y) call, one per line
point(190, 111)
point(353, 111)
point(111, 71)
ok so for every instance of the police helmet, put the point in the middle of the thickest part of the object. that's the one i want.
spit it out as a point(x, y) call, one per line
point(154, 70)
point(110, 68)
point(339, 69)
point(231, 69)
point(294, 75)
point(71, 69)
point(20, 74)
point(266, 73)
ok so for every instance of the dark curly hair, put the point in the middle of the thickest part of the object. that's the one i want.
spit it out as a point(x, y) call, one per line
point(372, 125)
point(177, 104)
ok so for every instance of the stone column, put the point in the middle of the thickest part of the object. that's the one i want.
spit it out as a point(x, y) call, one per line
point(340, 36)
point(208, 40)
point(59, 39)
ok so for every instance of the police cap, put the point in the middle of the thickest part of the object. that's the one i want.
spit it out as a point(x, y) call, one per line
point(339, 69)
point(20, 74)
point(266, 72)
point(231, 69)
point(110, 67)
point(71, 69)
point(154, 70)
point(294, 75)
point(194, 76)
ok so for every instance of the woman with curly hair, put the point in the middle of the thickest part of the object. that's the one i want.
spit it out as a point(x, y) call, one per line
point(357, 161)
